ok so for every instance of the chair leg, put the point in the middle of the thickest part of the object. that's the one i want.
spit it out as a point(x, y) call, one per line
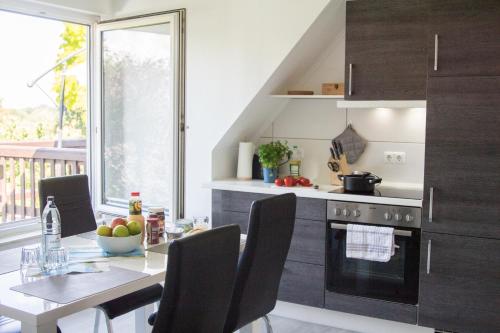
point(269, 328)
point(109, 326)
point(97, 320)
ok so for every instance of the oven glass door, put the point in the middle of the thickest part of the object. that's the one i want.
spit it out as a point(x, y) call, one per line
point(396, 280)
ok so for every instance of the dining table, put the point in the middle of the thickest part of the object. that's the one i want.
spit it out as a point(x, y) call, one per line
point(39, 315)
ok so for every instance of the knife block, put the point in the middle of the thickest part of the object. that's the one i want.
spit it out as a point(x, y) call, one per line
point(344, 169)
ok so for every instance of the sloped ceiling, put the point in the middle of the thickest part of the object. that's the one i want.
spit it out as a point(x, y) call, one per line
point(263, 109)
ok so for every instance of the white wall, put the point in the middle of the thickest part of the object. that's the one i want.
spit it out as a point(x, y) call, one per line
point(233, 47)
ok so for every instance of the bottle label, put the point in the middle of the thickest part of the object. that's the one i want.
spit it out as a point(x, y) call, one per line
point(135, 207)
point(52, 241)
point(294, 170)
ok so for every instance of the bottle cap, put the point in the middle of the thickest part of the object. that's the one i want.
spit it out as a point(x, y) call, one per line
point(135, 194)
point(50, 198)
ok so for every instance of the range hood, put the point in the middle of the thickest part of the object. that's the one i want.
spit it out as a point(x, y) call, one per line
point(382, 104)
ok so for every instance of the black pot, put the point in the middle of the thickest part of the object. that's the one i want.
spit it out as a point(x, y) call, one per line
point(360, 182)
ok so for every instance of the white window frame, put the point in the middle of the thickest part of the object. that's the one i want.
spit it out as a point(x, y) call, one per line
point(176, 19)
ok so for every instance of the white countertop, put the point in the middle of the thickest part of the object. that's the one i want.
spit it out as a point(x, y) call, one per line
point(258, 186)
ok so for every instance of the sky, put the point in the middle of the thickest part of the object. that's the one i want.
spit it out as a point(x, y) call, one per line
point(28, 47)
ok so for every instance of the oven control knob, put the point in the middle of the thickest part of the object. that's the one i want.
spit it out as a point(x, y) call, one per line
point(337, 211)
point(346, 212)
point(409, 218)
point(356, 213)
point(388, 216)
point(398, 217)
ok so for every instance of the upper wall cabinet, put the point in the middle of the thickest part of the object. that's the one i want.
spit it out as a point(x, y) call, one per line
point(386, 56)
point(464, 37)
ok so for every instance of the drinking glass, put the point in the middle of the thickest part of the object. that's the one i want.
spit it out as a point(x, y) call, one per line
point(201, 221)
point(57, 259)
point(30, 260)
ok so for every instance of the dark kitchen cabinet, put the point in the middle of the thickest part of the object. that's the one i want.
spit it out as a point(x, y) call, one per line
point(468, 37)
point(303, 283)
point(386, 53)
point(462, 157)
point(460, 289)
point(308, 242)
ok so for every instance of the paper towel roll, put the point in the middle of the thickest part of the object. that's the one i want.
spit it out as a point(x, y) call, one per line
point(245, 158)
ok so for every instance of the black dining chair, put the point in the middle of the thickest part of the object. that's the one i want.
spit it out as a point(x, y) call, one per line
point(261, 264)
point(201, 271)
point(72, 197)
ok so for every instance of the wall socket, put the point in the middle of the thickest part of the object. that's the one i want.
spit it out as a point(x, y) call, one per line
point(394, 157)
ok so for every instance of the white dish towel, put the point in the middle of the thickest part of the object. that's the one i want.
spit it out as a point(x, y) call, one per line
point(370, 242)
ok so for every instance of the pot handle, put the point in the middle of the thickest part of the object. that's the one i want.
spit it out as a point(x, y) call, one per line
point(377, 180)
point(340, 177)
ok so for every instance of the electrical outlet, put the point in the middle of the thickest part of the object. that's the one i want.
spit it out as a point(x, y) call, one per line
point(399, 157)
point(392, 157)
point(388, 157)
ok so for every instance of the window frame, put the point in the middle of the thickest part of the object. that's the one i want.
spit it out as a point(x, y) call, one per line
point(177, 20)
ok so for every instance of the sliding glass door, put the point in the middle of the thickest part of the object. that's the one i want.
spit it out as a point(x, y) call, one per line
point(139, 124)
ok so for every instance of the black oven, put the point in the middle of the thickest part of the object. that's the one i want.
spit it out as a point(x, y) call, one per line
point(395, 280)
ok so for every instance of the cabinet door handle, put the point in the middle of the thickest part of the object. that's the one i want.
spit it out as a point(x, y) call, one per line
point(350, 79)
point(429, 245)
point(436, 51)
point(431, 203)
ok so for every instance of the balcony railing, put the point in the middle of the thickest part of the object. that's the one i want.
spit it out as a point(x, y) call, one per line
point(23, 164)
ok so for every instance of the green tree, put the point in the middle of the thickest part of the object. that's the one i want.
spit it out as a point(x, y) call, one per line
point(74, 38)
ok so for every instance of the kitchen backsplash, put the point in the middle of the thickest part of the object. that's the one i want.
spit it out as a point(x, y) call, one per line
point(311, 124)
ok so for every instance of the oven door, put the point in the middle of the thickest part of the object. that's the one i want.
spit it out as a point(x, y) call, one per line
point(396, 280)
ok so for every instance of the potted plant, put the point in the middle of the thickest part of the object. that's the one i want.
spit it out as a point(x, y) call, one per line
point(271, 156)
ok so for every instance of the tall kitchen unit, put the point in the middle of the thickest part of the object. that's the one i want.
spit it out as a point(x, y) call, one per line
point(460, 249)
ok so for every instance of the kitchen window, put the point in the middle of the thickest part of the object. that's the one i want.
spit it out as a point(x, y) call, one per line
point(139, 139)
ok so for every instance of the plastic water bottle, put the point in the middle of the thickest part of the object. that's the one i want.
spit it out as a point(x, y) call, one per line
point(51, 228)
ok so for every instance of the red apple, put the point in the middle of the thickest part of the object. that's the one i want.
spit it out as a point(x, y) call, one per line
point(289, 181)
point(118, 221)
point(278, 182)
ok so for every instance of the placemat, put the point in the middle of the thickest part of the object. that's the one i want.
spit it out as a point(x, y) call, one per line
point(10, 260)
point(68, 288)
point(161, 248)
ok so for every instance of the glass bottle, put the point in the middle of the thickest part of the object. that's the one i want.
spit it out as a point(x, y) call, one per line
point(295, 161)
point(135, 211)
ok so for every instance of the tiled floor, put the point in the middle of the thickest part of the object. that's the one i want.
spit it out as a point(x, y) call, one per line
point(83, 322)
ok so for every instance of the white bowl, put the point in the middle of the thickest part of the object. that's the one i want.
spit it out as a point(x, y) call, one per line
point(119, 245)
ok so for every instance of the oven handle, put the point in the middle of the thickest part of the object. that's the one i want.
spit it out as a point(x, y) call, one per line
point(404, 233)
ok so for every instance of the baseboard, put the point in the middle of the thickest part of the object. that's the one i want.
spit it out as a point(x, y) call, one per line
point(343, 320)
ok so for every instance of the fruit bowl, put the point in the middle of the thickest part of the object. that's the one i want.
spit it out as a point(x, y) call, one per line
point(119, 245)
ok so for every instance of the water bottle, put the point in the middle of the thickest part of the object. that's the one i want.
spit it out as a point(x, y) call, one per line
point(51, 228)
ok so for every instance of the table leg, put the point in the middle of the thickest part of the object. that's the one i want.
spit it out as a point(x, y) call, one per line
point(45, 328)
point(141, 319)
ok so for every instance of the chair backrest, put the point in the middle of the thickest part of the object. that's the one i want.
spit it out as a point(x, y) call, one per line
point(201, 271)
point(261, 265)
point(72, 198)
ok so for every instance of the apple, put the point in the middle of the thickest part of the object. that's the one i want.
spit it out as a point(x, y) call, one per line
point(118, 221)
point(120, 231)
point(104, 230)
point(278, 182)
point(289, 181)
point(134, 227)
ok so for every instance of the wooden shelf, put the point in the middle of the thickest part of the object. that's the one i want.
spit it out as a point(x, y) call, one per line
point(337, 97)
